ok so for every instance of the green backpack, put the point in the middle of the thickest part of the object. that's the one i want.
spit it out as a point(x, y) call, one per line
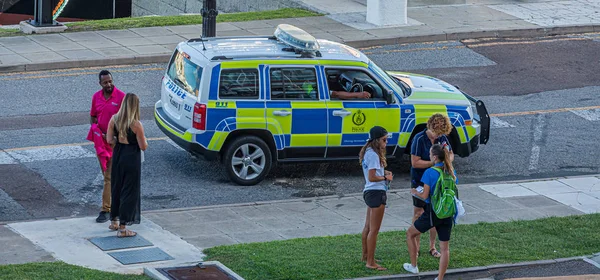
point(442, 200)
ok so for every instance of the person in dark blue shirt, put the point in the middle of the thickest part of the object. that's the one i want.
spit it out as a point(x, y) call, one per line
point(440, 156)
point(438, 127)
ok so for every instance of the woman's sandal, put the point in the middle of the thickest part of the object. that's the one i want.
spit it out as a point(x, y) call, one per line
point(434, 253)
point(113, 226)
point(126, 233)
point(378, 268)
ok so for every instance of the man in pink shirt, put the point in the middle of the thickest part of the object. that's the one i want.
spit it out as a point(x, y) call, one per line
point(105, 103)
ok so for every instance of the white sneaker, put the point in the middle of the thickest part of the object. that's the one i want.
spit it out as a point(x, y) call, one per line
point(412, 269)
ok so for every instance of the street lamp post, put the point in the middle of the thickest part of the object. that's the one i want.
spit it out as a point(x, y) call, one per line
point(43, 20)
point(42, 13)
point(209, 18)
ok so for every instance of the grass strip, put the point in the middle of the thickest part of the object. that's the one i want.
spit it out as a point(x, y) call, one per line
point(123, 23)
point(481, 244)
point(59, 270)
point(6, 32)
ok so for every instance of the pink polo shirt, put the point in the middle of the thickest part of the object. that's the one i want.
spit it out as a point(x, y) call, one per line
point(104, 109)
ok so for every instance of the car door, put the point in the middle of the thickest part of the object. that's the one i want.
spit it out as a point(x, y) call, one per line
point(296, 104)
point(349, 120)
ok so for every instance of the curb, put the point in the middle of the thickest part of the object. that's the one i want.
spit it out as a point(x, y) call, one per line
point(163, 58)
point(482, 269)
point(507, 33)
point(142, 59)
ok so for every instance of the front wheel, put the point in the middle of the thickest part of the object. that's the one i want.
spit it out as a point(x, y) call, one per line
point(248, 160)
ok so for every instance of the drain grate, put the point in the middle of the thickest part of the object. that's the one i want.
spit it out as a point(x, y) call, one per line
point(140, 256)
point(113, 243)
point(200, 271)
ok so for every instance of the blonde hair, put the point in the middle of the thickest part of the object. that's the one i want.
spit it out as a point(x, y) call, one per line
point(439, 124)
point(374, 144)
point(127, 115)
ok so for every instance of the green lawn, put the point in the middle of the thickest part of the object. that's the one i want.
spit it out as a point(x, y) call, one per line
point(471, 245)
point(59, 270)
point(122, 23)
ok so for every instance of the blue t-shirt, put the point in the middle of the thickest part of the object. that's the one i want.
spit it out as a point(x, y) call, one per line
point(430, 178)
point(420, 147)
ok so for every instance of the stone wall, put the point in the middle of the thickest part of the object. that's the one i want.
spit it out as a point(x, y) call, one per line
point(177, 7)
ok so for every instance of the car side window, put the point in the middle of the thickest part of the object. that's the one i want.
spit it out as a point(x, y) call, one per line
point(239, 84)
point(294, 83)
point(353, 80)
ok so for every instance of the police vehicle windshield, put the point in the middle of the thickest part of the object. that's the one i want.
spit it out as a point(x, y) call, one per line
point(386, 78)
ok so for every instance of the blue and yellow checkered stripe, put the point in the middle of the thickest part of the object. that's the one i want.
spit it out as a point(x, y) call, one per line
point(312, 123)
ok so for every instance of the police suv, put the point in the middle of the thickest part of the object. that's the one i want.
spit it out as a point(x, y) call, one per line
point(251, 102)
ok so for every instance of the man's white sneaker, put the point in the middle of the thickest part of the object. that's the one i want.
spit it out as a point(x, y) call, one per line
point(413, 269)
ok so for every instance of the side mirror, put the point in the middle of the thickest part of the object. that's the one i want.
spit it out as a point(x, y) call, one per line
point(389, 97)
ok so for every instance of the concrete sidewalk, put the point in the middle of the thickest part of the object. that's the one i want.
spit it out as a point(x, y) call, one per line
point(184, 233)
point(345, 22)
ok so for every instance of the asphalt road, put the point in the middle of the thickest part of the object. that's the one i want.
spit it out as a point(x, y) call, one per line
point(542, 94)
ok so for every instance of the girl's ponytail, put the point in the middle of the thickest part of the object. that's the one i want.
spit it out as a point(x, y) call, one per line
point(447, 163)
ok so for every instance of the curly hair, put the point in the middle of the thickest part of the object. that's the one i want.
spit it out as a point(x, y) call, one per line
point(439, 124)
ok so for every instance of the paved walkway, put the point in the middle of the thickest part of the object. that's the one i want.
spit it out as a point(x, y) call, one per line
point(184, 233)
point(345, 22)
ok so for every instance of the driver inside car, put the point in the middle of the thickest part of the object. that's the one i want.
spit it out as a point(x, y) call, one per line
point(349, 95)
point(334, 94)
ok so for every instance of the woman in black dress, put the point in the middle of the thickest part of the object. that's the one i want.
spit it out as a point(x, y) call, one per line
point(127, 133)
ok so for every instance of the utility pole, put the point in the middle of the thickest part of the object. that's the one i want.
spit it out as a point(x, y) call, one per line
point(209, 18)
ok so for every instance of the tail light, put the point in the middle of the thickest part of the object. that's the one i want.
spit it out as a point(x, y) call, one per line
point(199, 117)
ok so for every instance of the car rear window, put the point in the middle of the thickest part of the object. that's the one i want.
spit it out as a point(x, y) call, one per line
point(185, 73)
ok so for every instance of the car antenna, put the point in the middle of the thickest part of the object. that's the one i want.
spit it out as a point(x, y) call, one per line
point(202, 40)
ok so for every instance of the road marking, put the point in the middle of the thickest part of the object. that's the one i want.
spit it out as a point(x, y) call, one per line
point(537, 137)
point(77, 74)
point(51, 152)
point(498, 123)
point(68, 152)
point(545, 111)
point(590, 115)
point(174, 145)
point(5, 158)
point(415, 50)
point(476, 45)
point(72, 144)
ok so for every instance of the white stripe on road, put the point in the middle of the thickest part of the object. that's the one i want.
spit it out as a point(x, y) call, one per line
point(42, 154)
point(537, 137)
point(5, 158)
point(498, 123)
point(174, 145)
point(590, 115)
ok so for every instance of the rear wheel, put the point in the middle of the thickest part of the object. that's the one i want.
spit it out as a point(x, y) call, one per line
point(248, 160)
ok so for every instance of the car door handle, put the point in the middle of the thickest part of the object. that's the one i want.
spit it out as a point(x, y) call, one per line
point(341, 113)
point(282, 113)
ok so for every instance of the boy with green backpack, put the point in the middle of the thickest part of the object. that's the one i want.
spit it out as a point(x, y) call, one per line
point(439, 193)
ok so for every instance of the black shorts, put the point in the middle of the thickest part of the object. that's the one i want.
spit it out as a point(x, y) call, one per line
point(375, 198)
point(428, 219)
point(417, 202)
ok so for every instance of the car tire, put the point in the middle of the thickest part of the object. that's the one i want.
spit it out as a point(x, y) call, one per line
point(248, 160)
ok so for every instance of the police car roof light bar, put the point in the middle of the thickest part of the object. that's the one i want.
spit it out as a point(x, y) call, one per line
point(296, 38)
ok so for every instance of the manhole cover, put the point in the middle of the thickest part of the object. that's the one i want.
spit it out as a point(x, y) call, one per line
point(200, 272)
